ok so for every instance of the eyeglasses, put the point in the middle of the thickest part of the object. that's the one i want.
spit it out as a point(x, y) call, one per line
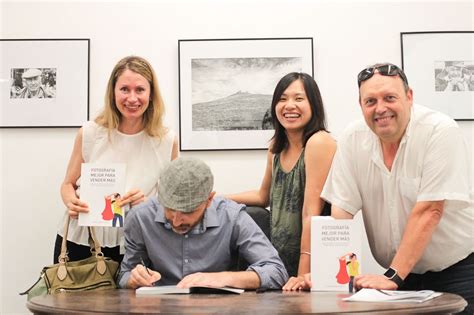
point(386, 69)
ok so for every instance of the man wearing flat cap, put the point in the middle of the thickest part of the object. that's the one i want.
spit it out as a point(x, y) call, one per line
point(33, 89)
point(188, 237)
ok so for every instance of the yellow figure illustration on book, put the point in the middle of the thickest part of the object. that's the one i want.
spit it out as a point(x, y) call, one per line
point(117, 209)
point(352, 269)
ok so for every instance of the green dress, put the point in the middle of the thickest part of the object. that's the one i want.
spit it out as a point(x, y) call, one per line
point(286, 205)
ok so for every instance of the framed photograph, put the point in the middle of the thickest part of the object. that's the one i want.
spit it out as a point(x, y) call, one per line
point(45, 83)
point(440, 69)
point(226, 88)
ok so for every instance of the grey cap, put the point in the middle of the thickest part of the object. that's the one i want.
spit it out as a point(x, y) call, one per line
point(31, 73)
point(185, 184)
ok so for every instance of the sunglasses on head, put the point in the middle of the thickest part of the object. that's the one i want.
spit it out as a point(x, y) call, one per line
point(387, 69)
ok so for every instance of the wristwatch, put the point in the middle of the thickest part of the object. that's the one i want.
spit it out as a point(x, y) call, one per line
point(392, 274)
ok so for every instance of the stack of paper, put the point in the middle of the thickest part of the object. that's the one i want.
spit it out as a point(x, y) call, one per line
point(373, 295)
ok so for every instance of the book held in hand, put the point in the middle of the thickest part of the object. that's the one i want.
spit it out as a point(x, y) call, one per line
point(336, 247)
point(102, 186)
point(172, 289)
point(374, 295)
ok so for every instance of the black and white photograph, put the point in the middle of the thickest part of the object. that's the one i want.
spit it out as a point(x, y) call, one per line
point(45, 89)
point(454, 76)
point(226, 89)
point(440, 68)
point(33, 83)
point(236, 93)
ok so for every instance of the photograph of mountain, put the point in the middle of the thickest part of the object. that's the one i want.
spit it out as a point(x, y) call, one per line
point(226, 88)
point(236, 93)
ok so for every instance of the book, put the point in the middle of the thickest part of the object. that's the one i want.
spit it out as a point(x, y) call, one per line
point(172, 289)
point(374, 295)
point(102, 186)
point(336, 258)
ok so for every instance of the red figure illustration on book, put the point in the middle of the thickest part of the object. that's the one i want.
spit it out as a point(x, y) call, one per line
point(342, 276)
point(107, 214)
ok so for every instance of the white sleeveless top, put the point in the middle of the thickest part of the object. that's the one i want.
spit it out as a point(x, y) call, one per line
point(144, 156)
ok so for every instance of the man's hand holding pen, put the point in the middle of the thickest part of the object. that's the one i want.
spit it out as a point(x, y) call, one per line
point(142, 276)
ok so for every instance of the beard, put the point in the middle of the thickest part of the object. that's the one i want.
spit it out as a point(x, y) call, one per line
point(181, 229)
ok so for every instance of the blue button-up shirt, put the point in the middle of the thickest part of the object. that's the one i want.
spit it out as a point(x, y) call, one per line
point(211, 246)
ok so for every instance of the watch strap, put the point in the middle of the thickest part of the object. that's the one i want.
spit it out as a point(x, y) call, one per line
point(399, 281)
point(392, 274)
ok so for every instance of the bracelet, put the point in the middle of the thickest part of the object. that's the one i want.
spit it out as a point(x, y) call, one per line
point(305, 253)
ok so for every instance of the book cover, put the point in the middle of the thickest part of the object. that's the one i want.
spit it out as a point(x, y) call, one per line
point(336, 247)
point(172, 289)
point(102, 186)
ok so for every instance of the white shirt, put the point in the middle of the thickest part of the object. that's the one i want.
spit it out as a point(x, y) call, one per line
point(431, 163)
point(144, 156)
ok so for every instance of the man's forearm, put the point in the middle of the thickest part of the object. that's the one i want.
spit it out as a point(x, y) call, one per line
point(123, 279)
point(272, 274)
point(235, 279)
point(244, 279)
point(421, 224)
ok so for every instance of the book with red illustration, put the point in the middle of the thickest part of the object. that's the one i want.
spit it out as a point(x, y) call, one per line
point(336, 247)
point(102, 186)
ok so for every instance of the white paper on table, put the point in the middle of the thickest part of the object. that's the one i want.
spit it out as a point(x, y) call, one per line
point(374, 295)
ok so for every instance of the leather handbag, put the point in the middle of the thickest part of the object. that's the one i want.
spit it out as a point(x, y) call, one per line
point(94, 273)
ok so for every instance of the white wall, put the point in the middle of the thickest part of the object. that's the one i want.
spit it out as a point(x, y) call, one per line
point(347, 37)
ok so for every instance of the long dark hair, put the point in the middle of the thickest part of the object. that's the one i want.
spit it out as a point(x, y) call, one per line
point(318, 117)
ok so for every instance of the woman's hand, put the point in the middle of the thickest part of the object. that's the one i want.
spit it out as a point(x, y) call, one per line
point(134, 197)
point(75, 206)
point(297, 283)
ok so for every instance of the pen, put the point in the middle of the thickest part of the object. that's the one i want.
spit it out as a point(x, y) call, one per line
point(144, 265)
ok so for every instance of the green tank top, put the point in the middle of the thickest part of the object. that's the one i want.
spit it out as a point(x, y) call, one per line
point(286, 205)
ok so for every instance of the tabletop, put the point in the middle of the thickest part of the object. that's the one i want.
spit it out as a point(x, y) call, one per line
point(270, 302)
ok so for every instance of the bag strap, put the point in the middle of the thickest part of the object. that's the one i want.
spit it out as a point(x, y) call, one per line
point(93, 242)
point(95, 250)
point(63, 255)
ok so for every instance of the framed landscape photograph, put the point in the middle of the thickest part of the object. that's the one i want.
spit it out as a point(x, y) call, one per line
point(46, 83)
point(440, 69)
point(226, 88)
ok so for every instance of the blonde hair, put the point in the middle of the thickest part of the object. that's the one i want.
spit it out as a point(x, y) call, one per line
point(153, 116)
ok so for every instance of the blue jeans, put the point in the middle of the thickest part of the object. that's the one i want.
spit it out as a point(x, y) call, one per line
point(119, 218)
point(457, 279)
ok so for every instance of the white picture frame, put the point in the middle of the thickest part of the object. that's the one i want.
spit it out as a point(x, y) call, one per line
point(226, 87)
point(440, 69)
point(45, 83)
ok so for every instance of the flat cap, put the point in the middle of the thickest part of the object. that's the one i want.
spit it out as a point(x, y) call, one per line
point(185, 184)
point(31, 73)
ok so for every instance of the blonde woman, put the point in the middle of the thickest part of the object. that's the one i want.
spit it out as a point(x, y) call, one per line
point(128, 130)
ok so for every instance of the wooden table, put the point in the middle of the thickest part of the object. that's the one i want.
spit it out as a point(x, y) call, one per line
point(271, 302)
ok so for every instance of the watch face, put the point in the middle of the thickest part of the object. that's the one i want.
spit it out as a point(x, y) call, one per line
point(390, 273)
